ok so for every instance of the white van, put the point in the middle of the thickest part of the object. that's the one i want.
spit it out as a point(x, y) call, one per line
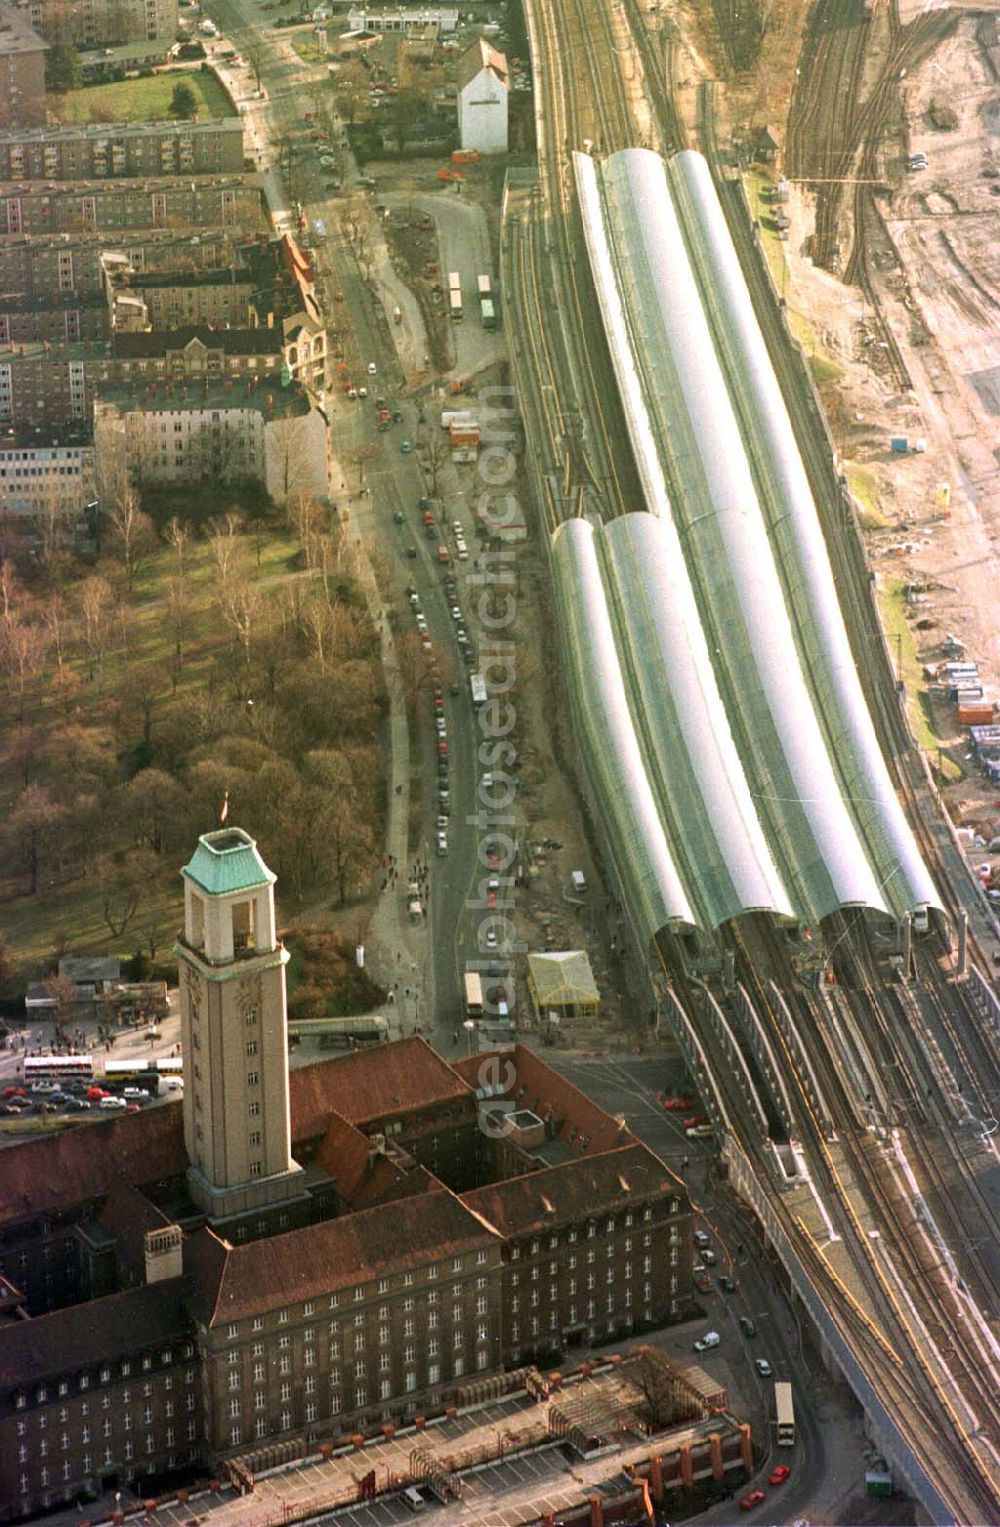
point(579, 881)
point(112, 1104)
point(412, 1497)
point(709, 1340)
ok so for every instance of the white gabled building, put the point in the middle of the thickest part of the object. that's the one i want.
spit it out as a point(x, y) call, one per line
point(483, 93)
point(436, 22)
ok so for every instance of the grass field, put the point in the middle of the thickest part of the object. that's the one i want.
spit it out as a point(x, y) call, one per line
point(863, 486)
point(899, 633)
point(145, 100)
point(310, 52)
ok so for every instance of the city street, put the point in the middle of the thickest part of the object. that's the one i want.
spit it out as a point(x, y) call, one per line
point(371, 491)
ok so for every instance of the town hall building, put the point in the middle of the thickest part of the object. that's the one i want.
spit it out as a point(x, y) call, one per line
point(295, 1255)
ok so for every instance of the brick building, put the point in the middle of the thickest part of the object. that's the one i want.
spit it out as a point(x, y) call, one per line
point(22, 72)
point(174, 202)
point(61, 318)
point(112, 150)
point(46, 384)
point(207, 1277)
point(92, 22)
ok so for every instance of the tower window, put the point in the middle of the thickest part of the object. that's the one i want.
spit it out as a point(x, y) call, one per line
point(256, 1168)
point(253, 1078)
point(255, 1137)
point(251, 1047)
point(250, 1016)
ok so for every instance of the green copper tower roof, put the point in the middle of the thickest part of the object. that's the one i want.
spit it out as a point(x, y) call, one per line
point(226, 861)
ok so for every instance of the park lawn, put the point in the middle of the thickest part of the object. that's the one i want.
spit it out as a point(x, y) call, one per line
point(142, 100)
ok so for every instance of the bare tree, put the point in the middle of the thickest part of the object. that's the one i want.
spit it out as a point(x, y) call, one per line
point(667, 1402)
point(96, 598)
point(32, 825)
point(123, 881)
point(435, 452)
point(63, 994)
point(178, 535)
point(22, 652)
point(254, 53)
point(133, 531)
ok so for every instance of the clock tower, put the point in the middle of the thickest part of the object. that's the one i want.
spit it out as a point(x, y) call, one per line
point(234, 1032)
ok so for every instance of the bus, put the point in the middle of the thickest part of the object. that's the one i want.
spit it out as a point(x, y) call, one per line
point(784, 1414)
point(144, 1066)
point(454, 281)
point(364, 1028)
point(484, 286)
point(473, 995)
point(487, 312)
point(56, 1068)
point(455, 305)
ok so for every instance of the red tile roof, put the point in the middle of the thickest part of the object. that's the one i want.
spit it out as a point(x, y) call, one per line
point(232, 1282)
point(536, 1086)
point(371, 1084)
point(56, 1171)
point(67, 1167)
point(96, 1332)
point(364, 1175)
point(569, 1193)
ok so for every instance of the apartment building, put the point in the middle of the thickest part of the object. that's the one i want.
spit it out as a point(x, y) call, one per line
point(112, 150)
point(53, 320)
point(43, 476)
point(272, 286)
point(93, 23)
point(22, 72)
point(72, 262)
point(80, 207)
point(191, 432)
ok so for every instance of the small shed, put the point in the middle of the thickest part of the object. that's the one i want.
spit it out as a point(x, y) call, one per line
point(562, 985)
point(92, 975)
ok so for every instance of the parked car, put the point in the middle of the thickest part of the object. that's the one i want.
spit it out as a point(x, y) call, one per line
point(728, 1284)
point(753, 1499)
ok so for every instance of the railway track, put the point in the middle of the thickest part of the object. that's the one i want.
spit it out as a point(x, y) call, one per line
point(910, 1382)
point(917, 1304)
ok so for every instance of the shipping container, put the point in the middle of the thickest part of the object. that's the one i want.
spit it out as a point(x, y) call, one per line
point(455, 305)
point(484, 286)
point(454, 281)
point(980, 714)
point(963, 694)
point(900, 444)
point(487, 313)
